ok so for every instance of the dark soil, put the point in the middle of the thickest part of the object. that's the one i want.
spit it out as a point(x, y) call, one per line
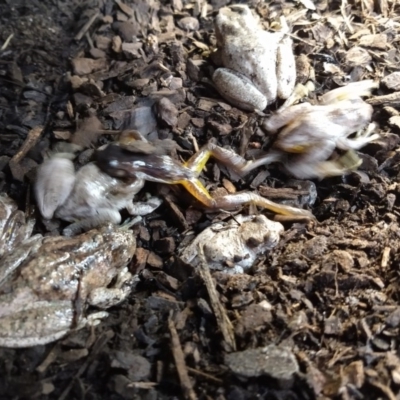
point(327, 295)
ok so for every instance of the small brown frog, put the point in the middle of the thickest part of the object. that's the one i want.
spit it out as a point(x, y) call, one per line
point(47, 283)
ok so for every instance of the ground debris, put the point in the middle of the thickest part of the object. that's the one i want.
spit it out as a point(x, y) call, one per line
point(223, 321)
point(18, 168)
point(322, 303)
point(277, 362)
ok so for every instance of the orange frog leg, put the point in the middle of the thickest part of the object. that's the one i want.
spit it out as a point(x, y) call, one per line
point(231, 201)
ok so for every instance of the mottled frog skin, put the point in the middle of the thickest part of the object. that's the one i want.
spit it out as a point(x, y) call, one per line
point(89, 198)
point(257, 66)
point(311, 132)
point(47, 283)
point(233, 246)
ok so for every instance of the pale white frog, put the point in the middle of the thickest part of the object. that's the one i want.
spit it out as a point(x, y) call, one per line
point(234, 246)
point(88, 198)
point(311, 132)
point(258, 66)
point(44, 293)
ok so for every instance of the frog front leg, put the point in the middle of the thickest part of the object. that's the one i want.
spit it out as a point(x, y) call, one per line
point(233, 201)
point(362, 138)
point(123, 197)
point(108, 297)
point(286, 117)
point(305, 166)
point(143, 208)
point(106, 215)
point(103, 216)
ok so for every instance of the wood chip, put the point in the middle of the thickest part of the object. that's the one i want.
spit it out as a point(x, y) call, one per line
point(357, 56)
point(84, 66)
point(87, 26)
point(378, 41)
point(124, 8)
point(392, 99)
point(392, 81)
point(385, 257)
point(32, 138)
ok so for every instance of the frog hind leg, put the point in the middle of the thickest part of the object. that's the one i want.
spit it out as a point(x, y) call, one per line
point(228, 158)
point(232, 201)
point(240, 165)
point(37, 323)
point(305, 163)
point(324, 169)
point(239, 90)
point(144, 207)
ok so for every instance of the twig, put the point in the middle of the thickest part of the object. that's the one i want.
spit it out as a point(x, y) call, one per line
point(30, 141)
point(89, 39)
point(346, 18)
point(392, 99)
point(50, 358)
point(179, 358)
point(385, 257)
point(97, 347)
point(143, 385)
point(221, 316)
point(86, 27)
point(7, 42)
point(385, 389)
point(205, 376)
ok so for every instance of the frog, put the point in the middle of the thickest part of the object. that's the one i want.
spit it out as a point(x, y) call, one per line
point(309, 133)
point(87, 198)
point(125, 160)
point(233, 246)
point(45, 292)
point(256, 66)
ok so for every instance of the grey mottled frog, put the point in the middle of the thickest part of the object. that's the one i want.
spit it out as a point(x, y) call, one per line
point(257, 66)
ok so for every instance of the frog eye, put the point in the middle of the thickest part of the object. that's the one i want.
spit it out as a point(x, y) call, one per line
point(119, 173)
point(138, 163)
point(259, 219)
point(253, 242)
point(240, 9)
